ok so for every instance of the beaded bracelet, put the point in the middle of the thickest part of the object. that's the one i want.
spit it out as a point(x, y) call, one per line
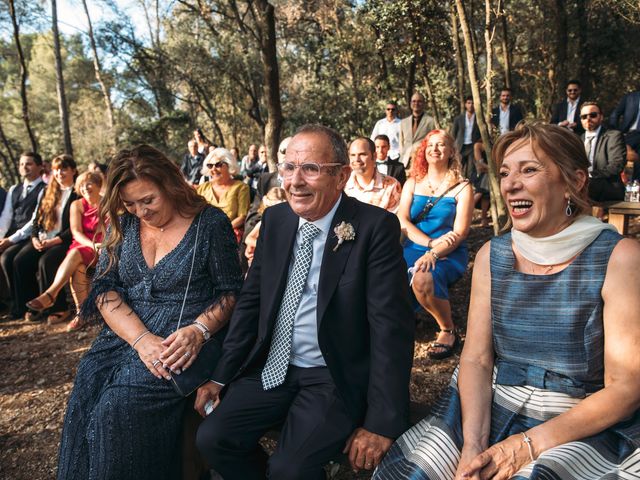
point(133, 345)
point(527, 441)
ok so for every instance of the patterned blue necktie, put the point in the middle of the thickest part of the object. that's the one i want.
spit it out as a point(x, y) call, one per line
point(275, 369)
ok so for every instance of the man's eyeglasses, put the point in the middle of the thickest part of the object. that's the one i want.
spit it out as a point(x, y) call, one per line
point(584, 116)
point(309, 170)
point(219, 164)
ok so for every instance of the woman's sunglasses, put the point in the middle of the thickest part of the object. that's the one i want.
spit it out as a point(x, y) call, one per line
point(219, 164)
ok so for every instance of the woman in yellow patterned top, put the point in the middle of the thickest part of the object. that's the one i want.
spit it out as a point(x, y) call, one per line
point(223, 191)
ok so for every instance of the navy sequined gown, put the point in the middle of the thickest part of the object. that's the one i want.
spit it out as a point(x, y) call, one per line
point(121, 421)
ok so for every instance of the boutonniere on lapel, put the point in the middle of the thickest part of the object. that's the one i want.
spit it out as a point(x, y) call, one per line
point(345, 233)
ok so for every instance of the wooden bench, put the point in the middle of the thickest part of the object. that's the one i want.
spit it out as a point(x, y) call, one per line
point(619, 213)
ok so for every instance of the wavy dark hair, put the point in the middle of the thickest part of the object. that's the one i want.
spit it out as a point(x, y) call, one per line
point(143, 163)
point(47, 212)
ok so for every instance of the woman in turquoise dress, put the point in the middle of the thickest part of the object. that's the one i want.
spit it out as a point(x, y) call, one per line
point(548, 385)
point(435, 211)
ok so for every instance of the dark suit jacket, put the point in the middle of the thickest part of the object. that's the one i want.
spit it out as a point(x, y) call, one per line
point(515, 116)
point(559, 114)
point(396, 170)
point(365, 322)
point(65, 229)
point(628, 109)
point(457, 131)
point(610, 156)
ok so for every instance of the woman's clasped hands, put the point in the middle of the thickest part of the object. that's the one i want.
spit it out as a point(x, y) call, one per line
point(170, 355)
point(499, 462)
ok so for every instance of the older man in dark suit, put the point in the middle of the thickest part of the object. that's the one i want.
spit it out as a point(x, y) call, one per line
point(629, 124)
point(607, 154)
point(321, 339)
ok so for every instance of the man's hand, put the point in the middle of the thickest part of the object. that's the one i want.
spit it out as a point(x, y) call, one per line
point(208, 391)
point(4, 244)
point(366, 449)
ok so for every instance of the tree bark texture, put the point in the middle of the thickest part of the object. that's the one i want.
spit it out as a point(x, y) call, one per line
point(427, 86)
point(504, 45)
point(24, 74)
point(498, 210)
point(97, 67)
point(62, 98)
point(10, 162)
point(458, 53)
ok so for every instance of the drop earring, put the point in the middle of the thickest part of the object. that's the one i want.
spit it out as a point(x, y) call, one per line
point(569, 210)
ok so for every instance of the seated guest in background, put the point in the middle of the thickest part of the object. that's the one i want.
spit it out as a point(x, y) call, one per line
point(366, 183)
point(466, 133)
point(481, 188)
point(248, 162)
point(607, 155)
point(390, 127)
point(192, 163)
point(549, 380)
point(326, 354)
point(204, 145)
point(629, 124)
point(273, 197)
point(84, 220)
point(16, 219)
point(236, 153)
point(36, 264)
point(567, 112)
point(223, 191)
point(46, 171)
point(506, 115)
point(385, 164)
point(436, 210)
point(122, 398)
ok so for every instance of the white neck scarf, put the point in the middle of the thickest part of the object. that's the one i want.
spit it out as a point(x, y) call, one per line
point(562, 246)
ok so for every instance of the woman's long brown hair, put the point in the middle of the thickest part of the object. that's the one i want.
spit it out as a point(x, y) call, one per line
point(143, 163)
point(47, 212)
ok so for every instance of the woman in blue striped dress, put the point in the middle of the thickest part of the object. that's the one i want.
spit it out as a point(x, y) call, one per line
point(548, 385)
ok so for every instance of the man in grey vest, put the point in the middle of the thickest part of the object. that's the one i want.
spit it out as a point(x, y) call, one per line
point(16, 219)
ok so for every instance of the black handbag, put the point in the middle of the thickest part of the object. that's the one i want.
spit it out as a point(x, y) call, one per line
point(201, 369)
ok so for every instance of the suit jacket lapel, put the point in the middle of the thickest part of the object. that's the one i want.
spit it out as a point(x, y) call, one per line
point(333, 262)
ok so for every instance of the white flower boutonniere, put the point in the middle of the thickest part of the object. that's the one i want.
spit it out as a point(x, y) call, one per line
point(345, 233)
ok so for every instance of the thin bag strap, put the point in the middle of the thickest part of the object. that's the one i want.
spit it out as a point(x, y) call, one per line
point(430, 205)
point(193, 261)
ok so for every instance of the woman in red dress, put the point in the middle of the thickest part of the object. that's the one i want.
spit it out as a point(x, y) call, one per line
point(84, 220)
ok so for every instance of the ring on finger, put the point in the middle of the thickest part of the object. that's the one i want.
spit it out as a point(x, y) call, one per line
point(187, 354)
point(156, 363)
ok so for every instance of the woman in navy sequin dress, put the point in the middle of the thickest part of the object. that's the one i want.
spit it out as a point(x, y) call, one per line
point(123, 418)
point(548, 385)
point(436, 251)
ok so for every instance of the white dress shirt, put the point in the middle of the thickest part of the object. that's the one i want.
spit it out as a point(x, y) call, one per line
point(468, 128)
point(305, 351)
point(571, 109)
point(504, 119)
point(636, 123)
point(391, 130)
point(7, 213)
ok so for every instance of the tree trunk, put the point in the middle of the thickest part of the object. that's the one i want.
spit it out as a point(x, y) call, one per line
point(98, 71)
point(583, 47)
point(62, 98)
point(268, 55)
point(23, 77)
point(504, 45)
point(562, 42)
point(458, 53)
point(427, 86)
point(411, 80)
point(498, 210)
point(10, 171)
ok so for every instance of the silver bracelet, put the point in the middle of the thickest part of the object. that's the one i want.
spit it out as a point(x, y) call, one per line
point(133, 345)
point(527, 441)
point(198, 322)
point(434, 254)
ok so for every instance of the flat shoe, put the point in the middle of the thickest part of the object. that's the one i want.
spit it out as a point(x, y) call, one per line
point(37, 306)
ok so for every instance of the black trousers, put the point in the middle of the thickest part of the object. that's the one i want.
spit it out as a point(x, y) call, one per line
point(468, 165)
point(6, 263)
point(33, 272)
point(315, 427)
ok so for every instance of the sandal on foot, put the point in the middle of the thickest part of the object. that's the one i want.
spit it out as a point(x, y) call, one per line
point(33, 317)
point(76, 324)
point(38, 306)
point(444, 350)
point(58, 317)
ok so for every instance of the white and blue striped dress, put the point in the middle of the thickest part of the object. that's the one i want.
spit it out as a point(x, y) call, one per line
point(549, 347)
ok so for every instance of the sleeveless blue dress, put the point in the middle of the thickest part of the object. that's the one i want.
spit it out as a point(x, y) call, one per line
point(123, 423)
point(439, 221)
point(549, 354)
